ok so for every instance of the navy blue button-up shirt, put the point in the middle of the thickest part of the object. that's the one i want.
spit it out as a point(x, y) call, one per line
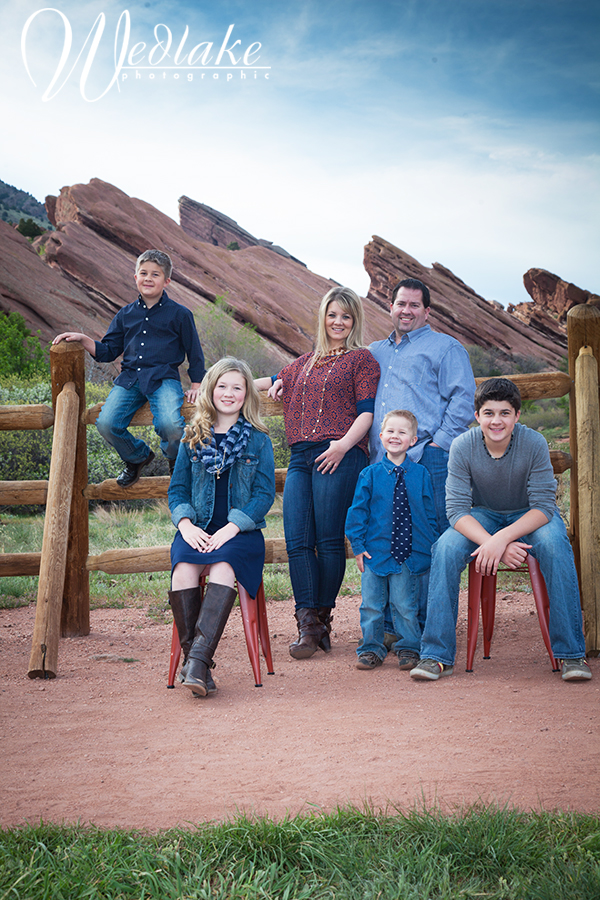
point(154, 342)
point(369, 519)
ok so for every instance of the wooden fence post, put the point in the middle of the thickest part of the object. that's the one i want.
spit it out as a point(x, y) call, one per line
point(67, 363)
point(583, 330)
point(588, 444)
point(54, 562)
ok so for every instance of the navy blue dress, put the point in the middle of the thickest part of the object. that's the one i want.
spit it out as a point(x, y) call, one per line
point(245, 552)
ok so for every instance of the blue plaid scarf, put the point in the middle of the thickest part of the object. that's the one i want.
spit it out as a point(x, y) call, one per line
point(217, 461)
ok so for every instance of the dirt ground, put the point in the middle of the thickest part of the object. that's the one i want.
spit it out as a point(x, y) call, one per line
point(107, 743)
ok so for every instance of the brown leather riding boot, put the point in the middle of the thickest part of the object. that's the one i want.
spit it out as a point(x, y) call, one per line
point(216, 606)
point(325, 614)
point(185, 606)
point(311, 632)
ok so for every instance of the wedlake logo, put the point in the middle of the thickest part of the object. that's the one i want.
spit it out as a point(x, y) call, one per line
point(162, 59)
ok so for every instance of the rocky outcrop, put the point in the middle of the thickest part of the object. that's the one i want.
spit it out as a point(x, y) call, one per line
point(458, 310)
point(552, 295)
point(48, 301)
point(99, 233)
point(77, 277)
point(209, 225)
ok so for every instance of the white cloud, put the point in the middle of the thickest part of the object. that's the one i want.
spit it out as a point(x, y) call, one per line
point(335, 147)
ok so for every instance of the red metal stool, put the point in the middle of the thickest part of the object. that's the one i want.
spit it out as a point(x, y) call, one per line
point(256, 627)
point(482, 590)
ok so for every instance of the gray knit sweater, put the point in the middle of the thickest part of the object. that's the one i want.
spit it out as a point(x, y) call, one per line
point(522, 479)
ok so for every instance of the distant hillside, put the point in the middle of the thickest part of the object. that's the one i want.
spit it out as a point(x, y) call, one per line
point(16, 204)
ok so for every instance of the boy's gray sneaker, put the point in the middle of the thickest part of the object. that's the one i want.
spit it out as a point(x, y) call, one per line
point(389, 640)
point(368, 661)
point(407, 659)
point(430, 670)
point(575, 670)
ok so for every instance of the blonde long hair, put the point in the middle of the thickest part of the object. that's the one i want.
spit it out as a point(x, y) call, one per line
point(205, 416)
point(351, 303)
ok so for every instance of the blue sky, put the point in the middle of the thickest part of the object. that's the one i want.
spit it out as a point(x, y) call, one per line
point(464, 131)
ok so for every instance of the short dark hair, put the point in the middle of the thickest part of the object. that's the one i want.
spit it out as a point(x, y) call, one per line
point(415, 285)
point(498, 389)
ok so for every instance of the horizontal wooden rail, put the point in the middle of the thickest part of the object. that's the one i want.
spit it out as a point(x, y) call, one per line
point(539, 386)
point(19, 564)
point(158, 559)
point(148, 488)
point(542, 385)
point(20, 493)
point(33, 417)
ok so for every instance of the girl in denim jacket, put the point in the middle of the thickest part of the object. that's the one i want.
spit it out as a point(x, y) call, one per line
point(222, 487)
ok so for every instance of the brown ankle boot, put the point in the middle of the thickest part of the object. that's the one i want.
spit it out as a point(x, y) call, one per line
point(311, 632)
point(325, 614)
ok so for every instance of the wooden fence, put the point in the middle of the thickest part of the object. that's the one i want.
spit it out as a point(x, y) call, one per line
point(64, 563)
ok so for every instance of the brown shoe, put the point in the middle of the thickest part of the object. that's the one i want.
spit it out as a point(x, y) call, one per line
point(325, 614)
point(311, 632)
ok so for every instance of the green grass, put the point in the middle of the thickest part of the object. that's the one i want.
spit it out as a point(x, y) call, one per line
point(497, 854)
point(120, 526)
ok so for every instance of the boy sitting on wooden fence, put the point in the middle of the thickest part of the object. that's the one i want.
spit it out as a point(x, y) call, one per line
point(154, 334)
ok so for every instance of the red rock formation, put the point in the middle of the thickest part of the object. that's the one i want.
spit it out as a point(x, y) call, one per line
point(101, 231)
point(48, 301)
point(457, 309)
point(553, 295)
point(209, 225)
point(83, 273)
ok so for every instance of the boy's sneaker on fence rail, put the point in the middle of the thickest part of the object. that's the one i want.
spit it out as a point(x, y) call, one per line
point(575, 670)
point(132, 471)
point(430, 670)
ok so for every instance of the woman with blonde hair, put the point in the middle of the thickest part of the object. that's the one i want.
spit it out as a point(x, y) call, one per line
point(221, 489)
point(328, 402)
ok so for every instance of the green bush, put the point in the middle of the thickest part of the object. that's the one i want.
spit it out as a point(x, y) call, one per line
point(20, 351)
point(25, 455)
point(281, 449)
point(28, 228)
point(220, 335)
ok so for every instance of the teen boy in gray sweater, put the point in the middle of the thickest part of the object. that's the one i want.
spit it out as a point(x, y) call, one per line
point(501, 503)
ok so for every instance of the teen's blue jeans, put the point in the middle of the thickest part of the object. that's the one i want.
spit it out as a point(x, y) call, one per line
point(551, 548)
point(118, 411)
point(314, 515)
point(435, 460)
point(401, 591)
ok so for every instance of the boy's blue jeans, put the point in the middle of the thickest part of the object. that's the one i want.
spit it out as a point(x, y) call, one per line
point(118, 411)
point(401, 591)
point(551, 548)
point(435, 460)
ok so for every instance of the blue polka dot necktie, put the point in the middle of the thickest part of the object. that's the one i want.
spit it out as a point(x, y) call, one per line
point(401, 520)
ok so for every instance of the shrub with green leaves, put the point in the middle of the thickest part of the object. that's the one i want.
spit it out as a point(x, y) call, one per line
point(25, 455)
point(21, 352)
point(220, 335)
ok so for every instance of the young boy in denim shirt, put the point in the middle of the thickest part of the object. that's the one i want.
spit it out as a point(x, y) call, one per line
point(391, 526)
point(154, 334)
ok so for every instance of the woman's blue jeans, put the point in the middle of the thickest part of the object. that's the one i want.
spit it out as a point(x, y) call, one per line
point(118, 411)
point(551, 548)
point(314, 516)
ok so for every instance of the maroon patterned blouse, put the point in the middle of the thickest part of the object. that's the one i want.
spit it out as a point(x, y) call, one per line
point(322, 404)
